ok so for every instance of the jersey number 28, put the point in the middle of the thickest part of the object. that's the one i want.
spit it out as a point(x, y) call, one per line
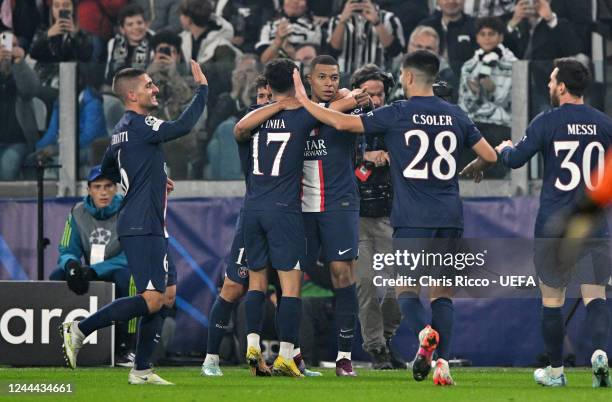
point(444, 154)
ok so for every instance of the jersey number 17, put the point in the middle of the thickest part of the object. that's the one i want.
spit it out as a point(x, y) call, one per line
point(283, 138)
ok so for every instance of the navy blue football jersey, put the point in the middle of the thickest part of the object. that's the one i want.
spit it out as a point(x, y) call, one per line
point(424, 136)
point(275, 161)
point(137, 158)
point(329, 182)
point(572, 140)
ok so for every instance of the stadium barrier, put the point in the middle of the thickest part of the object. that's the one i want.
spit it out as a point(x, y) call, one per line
point(31, 314)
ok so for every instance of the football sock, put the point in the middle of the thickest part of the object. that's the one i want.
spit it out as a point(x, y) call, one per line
point(442, 321)
point(296, 351)
point(286, 350)
point(553, 331)
point(343, 355)
point(149, 334)
point(220, 315)
point(598, 323)
point(253, 341)
point(254, 306)
point(211, 359)
point(289, 315)
point(413, 312)
point(123, 309)
point(346, 316)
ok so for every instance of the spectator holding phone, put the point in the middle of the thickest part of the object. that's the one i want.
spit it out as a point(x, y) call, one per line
point(18, 84)
point(294, 26)
point(363, 33)
point(62, 41)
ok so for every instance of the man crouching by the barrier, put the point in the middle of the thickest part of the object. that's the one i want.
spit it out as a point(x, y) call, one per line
point(90, 235)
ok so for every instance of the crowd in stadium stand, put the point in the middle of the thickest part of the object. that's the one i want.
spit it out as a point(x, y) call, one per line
point(477, 41)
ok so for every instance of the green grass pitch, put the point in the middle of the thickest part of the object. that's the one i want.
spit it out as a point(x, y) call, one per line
point(473, 384)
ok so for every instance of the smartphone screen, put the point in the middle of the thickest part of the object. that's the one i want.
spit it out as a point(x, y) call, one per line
point(7, 40)
point(65, 14)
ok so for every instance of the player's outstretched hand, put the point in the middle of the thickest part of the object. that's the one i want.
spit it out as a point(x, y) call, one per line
point(198, 75)
point(361, 97)
point(300, 91)
point(473, 170)
point(169, 186)
point(504, 144)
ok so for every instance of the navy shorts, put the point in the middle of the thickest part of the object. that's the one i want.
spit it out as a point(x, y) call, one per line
point(331, 235)
point(592, 265)
point(147, 258)
point(274, 238)
point(431, 241)
point(236, 264)
point(172, 277)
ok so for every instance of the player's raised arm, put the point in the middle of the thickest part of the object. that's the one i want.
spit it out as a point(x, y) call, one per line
point(332, 118)
point(516, 156)
point(244, 128)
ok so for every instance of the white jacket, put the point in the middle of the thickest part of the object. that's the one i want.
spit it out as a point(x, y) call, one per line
point(213, 39)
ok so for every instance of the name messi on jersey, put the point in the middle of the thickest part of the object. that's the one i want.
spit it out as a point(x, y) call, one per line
point(582, 129)
point(119, 137)
point(432, 120)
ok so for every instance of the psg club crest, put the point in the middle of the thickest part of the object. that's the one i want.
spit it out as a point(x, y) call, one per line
point(243, 272)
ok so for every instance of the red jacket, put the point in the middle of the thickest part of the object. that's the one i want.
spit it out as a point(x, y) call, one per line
point(99, 16)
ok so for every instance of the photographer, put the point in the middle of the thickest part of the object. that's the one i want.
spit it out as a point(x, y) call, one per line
point(378, 320)
point(485, 91)
point(363, 33)
point(90, 234)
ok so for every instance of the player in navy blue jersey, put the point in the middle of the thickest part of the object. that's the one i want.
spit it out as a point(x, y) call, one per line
point(135, 157)
point(330, 206)
point(273, 228)
point(423, 136)
point(572, 139)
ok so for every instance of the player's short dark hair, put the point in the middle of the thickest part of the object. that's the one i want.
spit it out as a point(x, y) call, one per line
point(424, 61)
point(371, 72)
point(493, 23)
point(167, 37)
point(122, 79)
point(198, 10)
point(324, 59)
point(575, 75)
point(261, 82)
point(279, 74)
point(130, 10)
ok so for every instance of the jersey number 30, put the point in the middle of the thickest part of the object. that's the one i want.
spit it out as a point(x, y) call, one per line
point(283, 138)
point(444, 154)
point(575, 173)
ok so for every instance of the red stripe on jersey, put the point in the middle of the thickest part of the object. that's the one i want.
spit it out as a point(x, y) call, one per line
point(322, 184)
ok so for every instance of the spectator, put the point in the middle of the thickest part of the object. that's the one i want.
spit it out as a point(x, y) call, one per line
point(169, 73)
point(18, 132)
point(234, 102)
point(92, 124)
point(579, 14)
point(224, 161)
point(304, 55)
point(456, 31)
point(98, 17)
point(207, 39)
point(410, 13)
point(63, 41)
point(22, 17)
point(363, 33)
point(485, 92)
point(247, 17)
point(378, 319)
point(426, 38)
point(294, 26)
point(132, 46)
point(490, 8)
point(89, 248)
point(163, 15)
point(543, 36)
